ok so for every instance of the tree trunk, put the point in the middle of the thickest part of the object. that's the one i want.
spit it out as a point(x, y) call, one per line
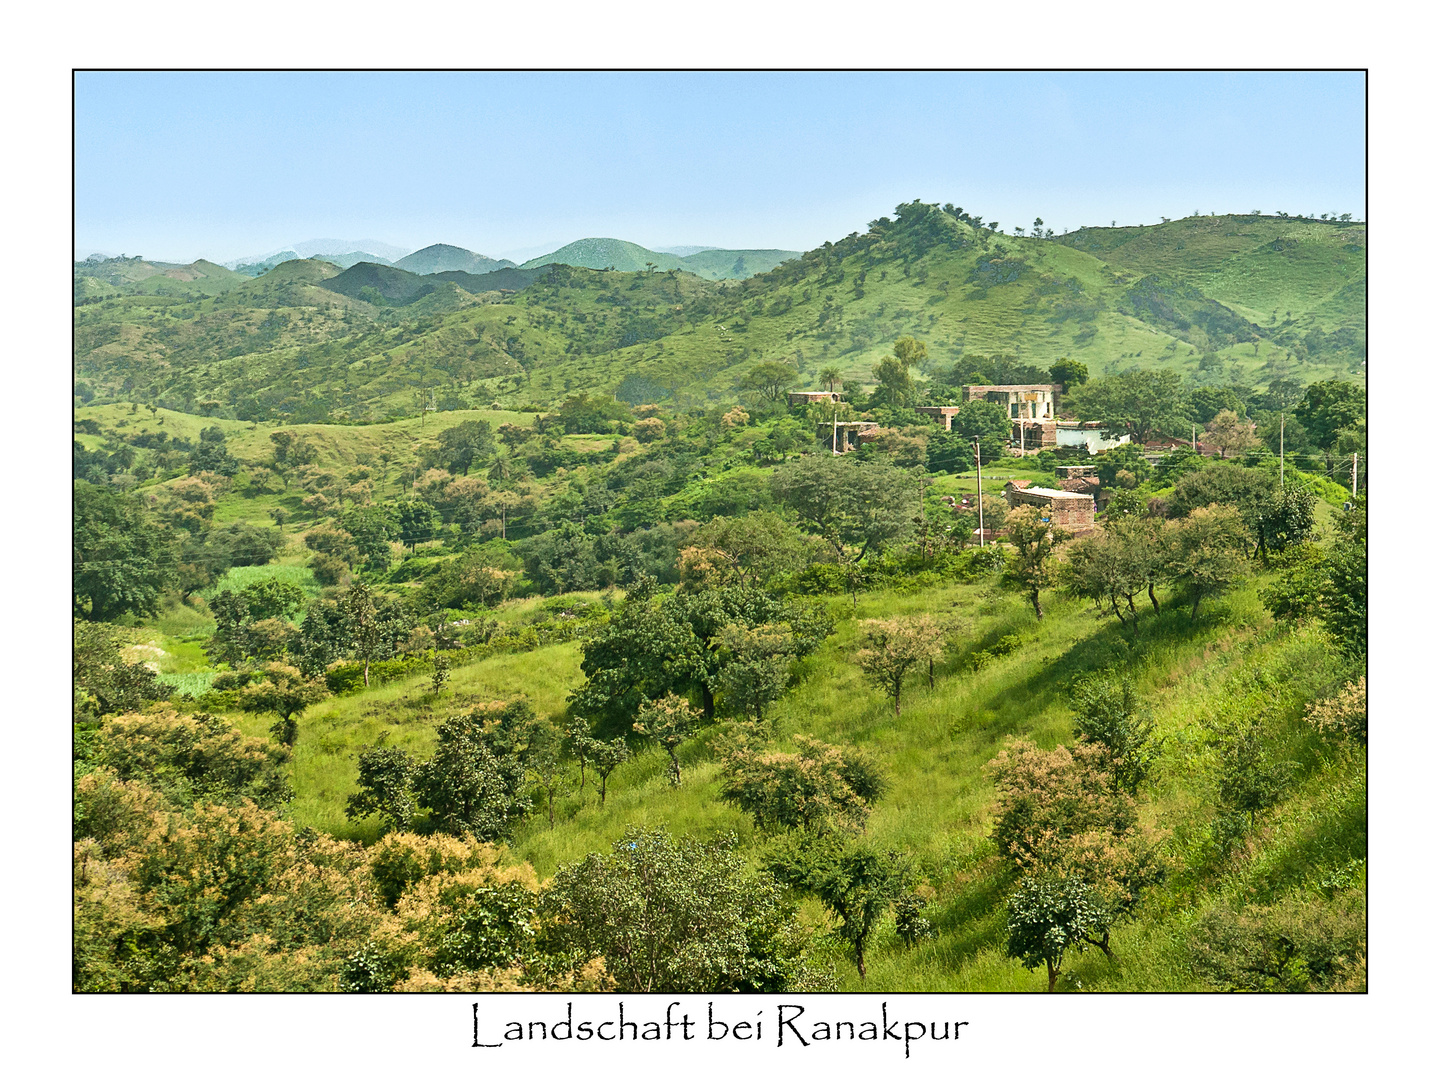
point(1035, 599)
point(932, 673)
point(707, 701)
point(550, 799)
point(1130, 599)
point(1153, 601)
point(367, 673)
point(1195, 607)
point(860, 959)
point(1115, 604)
point(1052, 971)
point(603, 778)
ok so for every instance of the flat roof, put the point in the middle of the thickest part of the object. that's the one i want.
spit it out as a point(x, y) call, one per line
point(1051, 493)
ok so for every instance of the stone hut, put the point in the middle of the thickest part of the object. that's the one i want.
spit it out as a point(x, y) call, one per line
point(1065, 508)
point(810, 397)
point(847, 434)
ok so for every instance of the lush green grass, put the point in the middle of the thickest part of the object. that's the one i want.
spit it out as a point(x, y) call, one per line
point(238, 577)
point(935, 754)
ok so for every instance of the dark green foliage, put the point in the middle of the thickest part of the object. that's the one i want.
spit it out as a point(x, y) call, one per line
point(103, 683)
point(816, 787)
point(677, 916)
point(474, 782)
point(1329, 408)
point(583, 413)
point(1249, 778)
point(1049, 916)
point(492, 926)
point(417, 522)
point(1250, 491)
point(462, 445)
point(121, 558)
point(1207, 401)
point(1303, 583)
point(1346, 610)
point(855, 881)
point(386, 781)
point(1141, 404)
point(1127, 457)
point(911, 925)
point(1287, 519)
point(1109, 712)
point(1069, 373)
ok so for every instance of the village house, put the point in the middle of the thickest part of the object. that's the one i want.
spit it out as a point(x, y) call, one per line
point(812, 397)
point(1031, 407)
point(1064, 508)
point(842, 437)
point(1088, 434)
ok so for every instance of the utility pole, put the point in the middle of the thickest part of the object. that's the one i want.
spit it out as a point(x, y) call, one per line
point(835, 430)
point(1192, 436)
point(979, 499)
point(1354, 472)
point(1282, 451)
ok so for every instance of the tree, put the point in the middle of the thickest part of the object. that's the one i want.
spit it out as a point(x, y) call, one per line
point(677, 916)
point(742, 550)
point(121, 559)
point(755, 665)
point(1032, 567)
point(815, 787)
point(829, 375)
point(1328, 409)
point(1069, 373)
point(1208, 552)
point(893, 647)
point(1048, 916)
point(440, 672)
point(769, 380)
point(1230, 433)
point(669, 721)
point(545, 766)
point(1248, 491)
point(1061, 814)
point(417, 521)
point(1109, 713)
point(1248, 777)
point(372, 627)
point(1141, 404)
point(1288, 518)
point(459, 446)
point(386, 784)
point(1345, 608)
point(856, 508)
point(103, 683)
point(856, 882)
point(606, 757)
point(475, 780)
point(285, 692)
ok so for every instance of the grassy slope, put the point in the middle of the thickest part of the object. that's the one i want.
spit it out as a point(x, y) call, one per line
point(1070, 300)
point(935, 754)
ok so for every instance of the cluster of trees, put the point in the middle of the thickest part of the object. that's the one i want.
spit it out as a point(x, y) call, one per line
point(187, 878)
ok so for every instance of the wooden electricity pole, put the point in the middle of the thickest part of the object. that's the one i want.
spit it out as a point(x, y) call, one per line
point(979, 499)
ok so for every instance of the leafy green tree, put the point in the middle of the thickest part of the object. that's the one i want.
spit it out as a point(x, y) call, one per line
point(460, 446)
point(1330, 407)
point(856, 882)
point(897, 386)
point(1287, 519)
point(1049, 916)
point(669, 721)
point(1249, 491)
point(1032, 566)
point(1208, 553)
point(911, 926)
point(546, 766)
point(895, 647)
point(857, 509)
point(372, 627)
point(751, 548)
point(769, 380)
point(1069, 373)
point(1249, 778)
point(474, 783)
point(1206, 402)
point(1108, 712)
point(1230, 433)
point(121, 559)
point(677, 916)
point(642, 654)
point(1345, 607)
point(755, 665)
point(1141, 404)
point(605, 758)
point(417, 521)
point(386, 787)
point(829, 375)
point(285, 692)
point(104, 684)
point(440, 672)
point(815, 787)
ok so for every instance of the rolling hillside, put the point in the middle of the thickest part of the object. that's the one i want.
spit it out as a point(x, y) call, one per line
point(1197, 296)
point(712, 264)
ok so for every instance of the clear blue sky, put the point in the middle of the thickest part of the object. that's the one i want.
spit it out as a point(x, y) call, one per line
point(180, 166)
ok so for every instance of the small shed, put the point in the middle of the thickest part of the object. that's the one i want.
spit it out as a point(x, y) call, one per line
point(1056, 506)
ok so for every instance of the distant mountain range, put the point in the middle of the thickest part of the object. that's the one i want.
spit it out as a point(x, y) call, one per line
point(713, 264)
point(595, 253)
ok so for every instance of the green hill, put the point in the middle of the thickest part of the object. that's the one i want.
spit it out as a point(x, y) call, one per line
point(350, 258)
point(1197, 297)
point(603, 253)
point(442, 258)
